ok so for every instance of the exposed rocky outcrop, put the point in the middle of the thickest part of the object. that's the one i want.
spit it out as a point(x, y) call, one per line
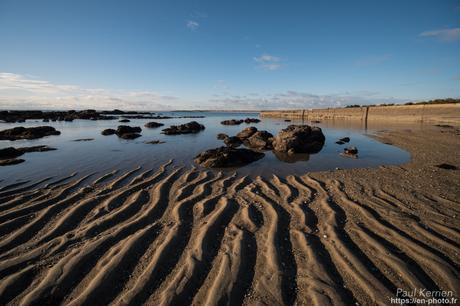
point(21, 116)
point(108, 132)
point(153, 124)
point(224, 157)
point(28, 133)
point(154, 142)
point(246, 133)
point(124, 120)
point(221, 136)
point(188, 128)
point(10, 152)
point(128, 132)
point(343, 140)
point(239, 121)
point(233, 142)
point(9, 162)
point(299, 139)
point(261, 140)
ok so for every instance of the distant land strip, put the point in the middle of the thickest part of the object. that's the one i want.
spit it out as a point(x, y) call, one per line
point(433, 113)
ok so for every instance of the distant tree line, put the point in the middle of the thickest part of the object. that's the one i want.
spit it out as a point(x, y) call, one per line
point(435, 101)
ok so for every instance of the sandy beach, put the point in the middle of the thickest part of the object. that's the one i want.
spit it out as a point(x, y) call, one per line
point(177, 236)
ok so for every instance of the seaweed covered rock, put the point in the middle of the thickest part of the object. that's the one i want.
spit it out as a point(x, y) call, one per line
point(28, 133)
point(224, 157)
point(299, 139)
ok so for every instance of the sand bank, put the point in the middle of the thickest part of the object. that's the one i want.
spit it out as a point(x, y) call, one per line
point(174, 236)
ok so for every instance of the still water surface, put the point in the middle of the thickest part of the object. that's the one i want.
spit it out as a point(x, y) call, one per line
point(106, 153)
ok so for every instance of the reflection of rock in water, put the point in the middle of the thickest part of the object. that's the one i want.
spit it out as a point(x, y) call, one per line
point(291, 158)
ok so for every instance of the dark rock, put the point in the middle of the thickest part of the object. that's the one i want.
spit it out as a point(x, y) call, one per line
point(233, 142)
point(129, 135)
point(350, 151)
point(154, 142)
point(227, 157)
point(46, 120)
point(108, 132)
point(345, 139)
point(232, 122)
point(299, 139)
point(340, 142)
point(246, 133)
point(124, 120)
point(221, 136)
point(188, 128)
point(447, 166)
point(315, 121)
point(153, 124)
point(9, 162)
point(261, 140)
point(36, 149)
point(9, 153)
point(251, 120)
point(84, 139)
point(287, 120)
point(124, 129)
point(28, 133)
point(446, 126)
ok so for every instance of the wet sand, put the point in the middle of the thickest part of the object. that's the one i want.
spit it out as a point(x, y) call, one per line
point(176, 236)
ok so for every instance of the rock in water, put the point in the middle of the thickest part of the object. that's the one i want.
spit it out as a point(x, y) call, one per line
point(251, 120)
point(224, 157)
point(108, 132)
point(9, 153)
point(9, 162)
point(125, 129)
point(124, 120)
point(261, 140)
point(232, 122)
point(28, 133)
point(188, 128)
point(129, 135)
point(246, 133)
point(299, 139)
point(351, 151)
point(233, 142)
point(153, 124)
point(36, 149)
point(222, 136)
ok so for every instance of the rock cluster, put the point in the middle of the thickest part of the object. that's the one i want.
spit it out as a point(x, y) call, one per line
point(188, 128)
point(299, 139)
point(21, 116)
point(28, 133)
point(239, 121)
point(124, 131)
point(8, 156)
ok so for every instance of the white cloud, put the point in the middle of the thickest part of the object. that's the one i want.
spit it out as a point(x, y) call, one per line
point(299, 100)
point(21, 92)
point(268, 62)
point(444, 34)
point(192, 25)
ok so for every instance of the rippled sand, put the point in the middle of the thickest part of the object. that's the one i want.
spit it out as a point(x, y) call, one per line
point(177, 236)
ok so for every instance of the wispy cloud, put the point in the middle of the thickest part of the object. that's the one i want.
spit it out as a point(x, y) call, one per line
point(22, 92)
point(268, 62)
point(372, 60)
point(452, 34)
point(299, 100)
point(192, 25)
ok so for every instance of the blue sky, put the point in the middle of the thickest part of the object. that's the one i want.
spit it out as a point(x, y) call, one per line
point(226, 54)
